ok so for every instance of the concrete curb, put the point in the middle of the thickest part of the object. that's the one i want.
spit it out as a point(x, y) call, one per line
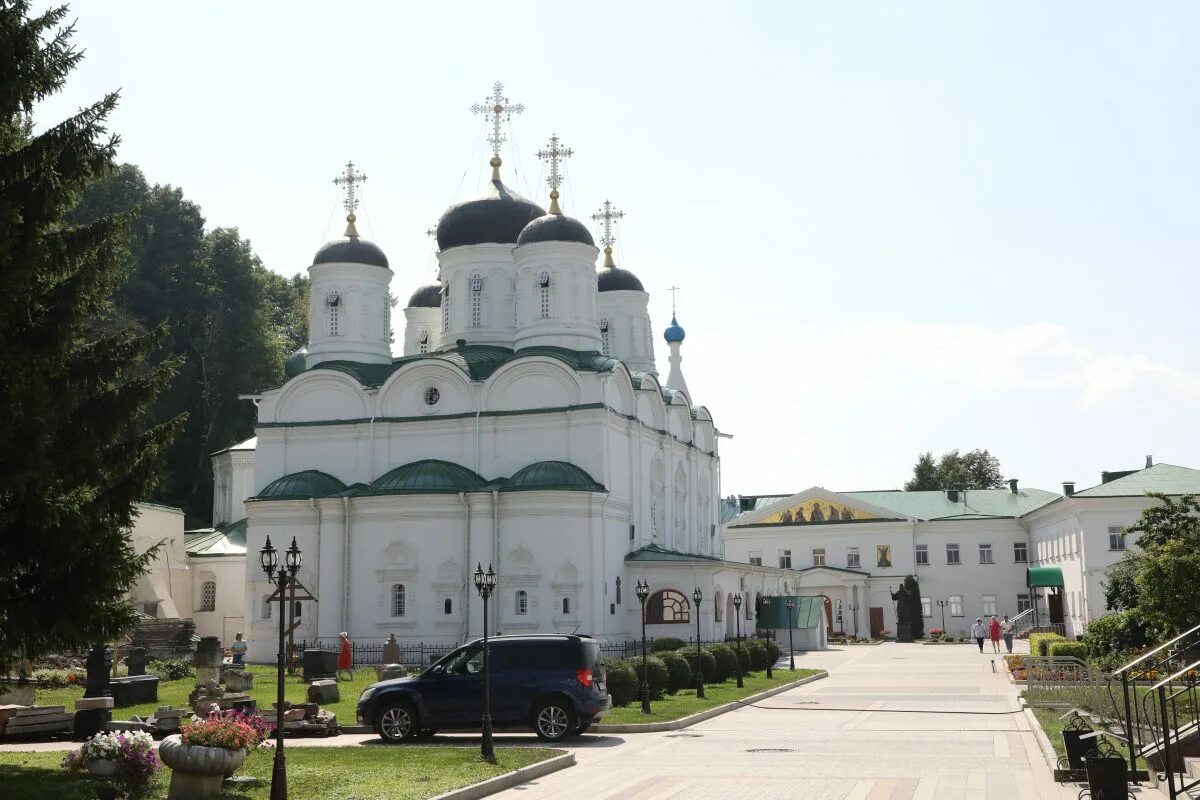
point(716, 711)
point(1043, 740)
point(510, 779)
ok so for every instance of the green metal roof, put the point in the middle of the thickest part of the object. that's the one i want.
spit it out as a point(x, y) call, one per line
point(809, 612)
point(1165, 478)
point(552, 475)
point(301, 486)
point(971, 503)
point(478, 361)
point(653, 552)
point(223, 540)
point(1043, 576)
point(430, 476)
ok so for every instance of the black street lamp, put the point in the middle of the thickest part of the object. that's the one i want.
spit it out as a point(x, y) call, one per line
point(485, 583)
point(697, 596)
point(280, 576)
point(854, 610)
point(643, 592)
point(766, 603)
point(737, 607)
point(791, 604)
point(942, 605)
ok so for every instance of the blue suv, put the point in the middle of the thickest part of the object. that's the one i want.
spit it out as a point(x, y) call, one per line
point(552, 684)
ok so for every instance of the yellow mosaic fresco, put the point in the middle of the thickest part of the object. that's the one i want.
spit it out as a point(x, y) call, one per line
point(817, 511)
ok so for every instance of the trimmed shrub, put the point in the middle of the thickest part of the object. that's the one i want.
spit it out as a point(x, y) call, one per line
point(743, 655)
point(707, 659)
point(773, 651)
point(757, 649)
point(660, 678)
point(726, 662)
point(172, 669)
point(678, 671)
point(1116, 637)
point(666, 643)
point(622, 682)
point(1039, 643)
point(1077, 649)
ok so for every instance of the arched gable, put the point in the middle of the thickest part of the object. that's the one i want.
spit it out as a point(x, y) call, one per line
point(531, 382)
point(404, 394)
point(619, 391)
point(650, 408)
point(679, 422)
point(321, 394)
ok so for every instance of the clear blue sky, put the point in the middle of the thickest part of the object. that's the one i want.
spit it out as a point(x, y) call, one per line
point(898, 226)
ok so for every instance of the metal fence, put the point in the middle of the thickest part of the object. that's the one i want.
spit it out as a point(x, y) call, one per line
point(1065, 682)
point(411, 655)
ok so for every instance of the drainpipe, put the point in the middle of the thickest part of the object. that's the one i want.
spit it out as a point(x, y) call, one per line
point(346, 565)
point(496, 537)
point(317, 571)
point(466, 590)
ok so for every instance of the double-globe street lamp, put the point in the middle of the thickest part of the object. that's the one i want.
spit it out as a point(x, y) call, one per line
point(282, 577)
point(942, 605)
point(643, 592)
point(854, 610)
point(791, 605)
point(485, 584)
point(698, 596)
point(766, 604)
point(737, 607)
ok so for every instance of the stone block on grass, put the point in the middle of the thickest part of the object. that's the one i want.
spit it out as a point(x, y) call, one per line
point(323, 692)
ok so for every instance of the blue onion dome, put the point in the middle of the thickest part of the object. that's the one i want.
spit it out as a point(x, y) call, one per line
point(296, 363)
point(426, 297)
point(496, 216)
point(555, 228)
point(351, 250)
point(675, 332)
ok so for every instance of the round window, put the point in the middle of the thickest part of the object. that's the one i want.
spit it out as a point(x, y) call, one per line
point(432, 395)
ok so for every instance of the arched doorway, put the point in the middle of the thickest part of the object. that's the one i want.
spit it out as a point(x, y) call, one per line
point(730, 616)
point(828, 615)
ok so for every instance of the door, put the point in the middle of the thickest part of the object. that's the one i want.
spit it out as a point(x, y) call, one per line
point(876, 622)
point(455, 694)
point(828, 616)
point(514, 666)
point(1055, 603)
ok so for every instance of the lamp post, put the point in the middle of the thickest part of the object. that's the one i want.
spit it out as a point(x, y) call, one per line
point(766, 603)
point(697, 597)
point(643, 592)
point(854, 610)
point(280, 576)
point(791, 604)
point(942, 605)
point(737, 607)
point(485, 583)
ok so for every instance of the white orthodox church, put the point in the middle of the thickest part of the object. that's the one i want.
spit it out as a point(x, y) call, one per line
point(526, 426)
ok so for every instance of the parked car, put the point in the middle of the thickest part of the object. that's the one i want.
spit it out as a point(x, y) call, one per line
point(554, 684)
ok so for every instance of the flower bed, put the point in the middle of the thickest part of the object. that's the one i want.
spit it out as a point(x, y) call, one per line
point(129, 758)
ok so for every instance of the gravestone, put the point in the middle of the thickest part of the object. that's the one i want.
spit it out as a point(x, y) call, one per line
point(391, 650)
point(134, 690)
point(319, 665)
point(387, 672)
point(136, 661)
point(99, 667)
point(324, 692)
point(92, 714)
point(208, 661)
point(238, 680)
point(165, 721)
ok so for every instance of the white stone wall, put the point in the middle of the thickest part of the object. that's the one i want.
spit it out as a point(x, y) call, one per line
point(363, 313)
point(630, 335)
point(233, 482)
point(492, 264)
point(227, 618)
point(418, 323)
point(168, 583)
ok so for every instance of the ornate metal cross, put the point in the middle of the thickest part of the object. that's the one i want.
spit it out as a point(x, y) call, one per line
point(552, 155)
point(673, 290)
point(500, 111)
point(606, 216)
point(431, 231)
point(350, 179)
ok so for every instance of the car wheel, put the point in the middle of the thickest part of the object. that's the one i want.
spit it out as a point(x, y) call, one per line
point(427, 733)
point(553, 721)
point(397, 722)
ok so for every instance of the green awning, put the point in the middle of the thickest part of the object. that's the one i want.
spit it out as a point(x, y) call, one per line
point(807, 613)
point(1043, 576)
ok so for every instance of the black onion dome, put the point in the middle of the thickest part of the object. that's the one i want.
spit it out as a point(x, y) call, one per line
point(351, 250)
point(497, 216)
point(615, 279)
point(555, 228)
point(426, 297)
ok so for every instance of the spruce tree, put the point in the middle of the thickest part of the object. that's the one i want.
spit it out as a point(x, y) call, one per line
point(74, 387)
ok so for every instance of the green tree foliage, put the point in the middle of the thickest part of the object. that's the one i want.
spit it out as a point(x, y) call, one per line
point(1166, 565)
point(915, 612)
point(79, 451)
point(232, 320)
point(977, 469)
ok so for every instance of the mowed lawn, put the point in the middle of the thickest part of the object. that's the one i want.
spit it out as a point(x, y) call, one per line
point(175, 693)
point(314, 773)
point(685, 703)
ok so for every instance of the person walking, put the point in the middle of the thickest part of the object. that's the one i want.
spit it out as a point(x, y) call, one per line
point(994, 633)
point(345, 659)
point(1006, 630)
point(239, 648)
point(979, 632)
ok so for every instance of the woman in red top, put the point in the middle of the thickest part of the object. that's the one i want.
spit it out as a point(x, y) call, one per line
point(994, 633)
point(345, 662)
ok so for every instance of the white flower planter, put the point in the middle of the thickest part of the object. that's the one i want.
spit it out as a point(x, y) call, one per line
point(197, 772)
point(103, 768)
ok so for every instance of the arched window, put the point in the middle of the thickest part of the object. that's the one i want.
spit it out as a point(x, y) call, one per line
point(476, 301)
point(448, 606)
point(522, 602)
point(297, 609)
point(445, 308)
point(399, 600)
point(566, 605)
point(543, 285)
point(208, 596)
point(718, 606)
point(618, 590)
point(604, 336)
point(667, 607)
point(266, 606)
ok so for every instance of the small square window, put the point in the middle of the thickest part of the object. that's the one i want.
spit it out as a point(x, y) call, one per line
point(852, 558)
point(989, 604)
point(1021, 552)
point(952, 554)
point(985, 554)
point(922, 554)
point(1116, 538)
point(785, 559)
point(818, 556)
point(956, 605)
point(756, 558)
point(926, 607)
